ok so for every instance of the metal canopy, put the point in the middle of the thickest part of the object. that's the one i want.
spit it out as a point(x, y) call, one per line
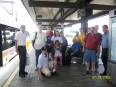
point(54, 4)
point(54, 20)
point(53, 12)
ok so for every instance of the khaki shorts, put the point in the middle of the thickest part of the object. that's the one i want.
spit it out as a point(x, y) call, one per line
point(46, 72)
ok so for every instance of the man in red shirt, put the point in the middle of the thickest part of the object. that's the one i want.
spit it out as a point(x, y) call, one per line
point(92, 43)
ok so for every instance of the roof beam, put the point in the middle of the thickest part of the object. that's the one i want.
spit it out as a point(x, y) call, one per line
point(102, 7)
point(52, 4)
point(59, 11)
point(54, 20)
point(56, 4)
point(51, 25)
point(80, 3)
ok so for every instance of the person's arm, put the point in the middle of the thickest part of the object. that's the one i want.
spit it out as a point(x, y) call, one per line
point(40, 68)
point(33, 39)
point(98, 48)
point(16, 46)
point(16, 42)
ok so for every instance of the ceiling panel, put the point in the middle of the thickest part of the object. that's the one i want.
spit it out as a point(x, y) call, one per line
point(104, 2)
point(46, 12)
point(51, 0)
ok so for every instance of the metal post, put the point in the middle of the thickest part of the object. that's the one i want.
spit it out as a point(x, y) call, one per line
point(1, 61)
point(84, 23)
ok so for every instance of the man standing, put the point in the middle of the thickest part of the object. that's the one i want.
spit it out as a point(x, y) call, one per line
point(63, 47)
point(97, 33)
point(104, 45)
point(21, 49)
point(40, 41)
point(91, 48)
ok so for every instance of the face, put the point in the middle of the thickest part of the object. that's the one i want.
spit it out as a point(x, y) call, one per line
point(105, 30)
point(96, 28)
point(22, 28)
point(43, 51)
point(57, 33)
point(91, 30)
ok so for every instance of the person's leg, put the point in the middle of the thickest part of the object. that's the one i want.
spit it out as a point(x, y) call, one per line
point(87, 66)
point(105, 58)
point(87, 60)
point(20, 60)
point(22, 57)
point(63, 55)
point(60, 60)
point(93, 67)
point(37, 53)
point(93, 61)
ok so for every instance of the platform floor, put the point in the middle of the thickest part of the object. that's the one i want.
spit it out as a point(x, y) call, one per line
point(68, 76)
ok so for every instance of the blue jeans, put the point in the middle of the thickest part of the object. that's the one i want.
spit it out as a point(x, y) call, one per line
point(37, 53)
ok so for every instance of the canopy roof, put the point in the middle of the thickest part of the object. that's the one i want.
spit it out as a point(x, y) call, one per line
point(55, 12)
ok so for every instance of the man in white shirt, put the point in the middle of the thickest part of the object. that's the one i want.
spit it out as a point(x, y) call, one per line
point(43, 66)
point(21, 49)
point(40, 41)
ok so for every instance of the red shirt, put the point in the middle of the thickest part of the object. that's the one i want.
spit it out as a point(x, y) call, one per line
point(92, 41)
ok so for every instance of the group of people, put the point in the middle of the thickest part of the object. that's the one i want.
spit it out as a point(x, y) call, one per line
point(50, 49)
point(91, 43)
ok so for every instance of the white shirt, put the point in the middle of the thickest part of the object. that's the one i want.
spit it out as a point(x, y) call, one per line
point(20, 37)
point(43, 61)
point(40, 40)
point(55, 38)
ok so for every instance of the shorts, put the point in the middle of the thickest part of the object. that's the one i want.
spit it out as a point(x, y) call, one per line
point(46, 72)
point(90, 55)
point(57, 54)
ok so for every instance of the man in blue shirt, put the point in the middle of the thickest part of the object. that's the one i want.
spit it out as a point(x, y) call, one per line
point(63, 47)
point(104, 45)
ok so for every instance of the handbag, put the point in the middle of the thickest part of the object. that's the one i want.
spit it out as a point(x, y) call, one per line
point(101, 68)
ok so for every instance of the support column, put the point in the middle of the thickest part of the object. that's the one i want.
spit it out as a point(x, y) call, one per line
point(87, 12)
point(84, 25)
point(1, 61)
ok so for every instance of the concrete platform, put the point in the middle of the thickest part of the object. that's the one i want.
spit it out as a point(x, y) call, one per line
point(68, 76)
